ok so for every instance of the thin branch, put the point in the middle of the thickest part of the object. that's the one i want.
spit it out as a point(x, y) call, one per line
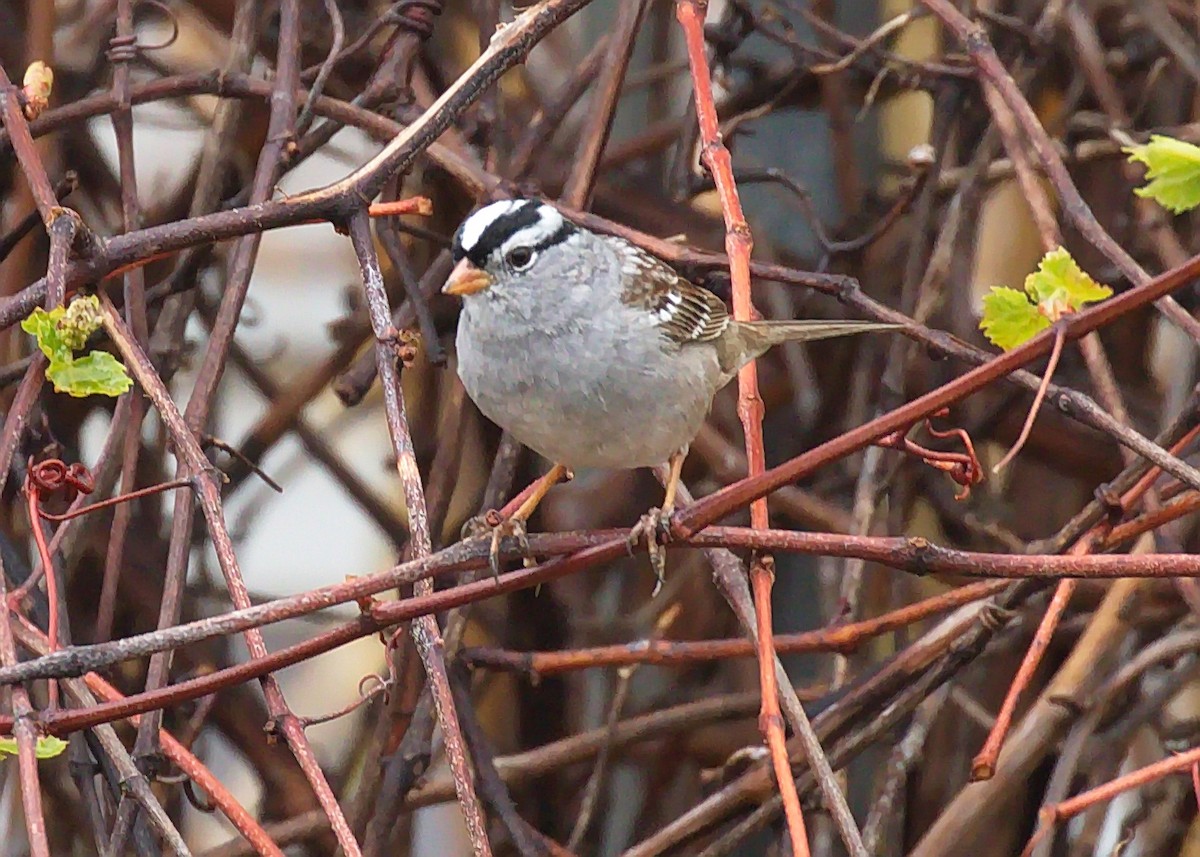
point(738, 245)
point(425, 631)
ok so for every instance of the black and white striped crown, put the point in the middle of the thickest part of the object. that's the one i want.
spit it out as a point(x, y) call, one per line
point(507, 224)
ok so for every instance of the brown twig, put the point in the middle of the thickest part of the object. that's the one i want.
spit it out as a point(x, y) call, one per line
point(983, 766)
point(425, 631)
point(208, 491)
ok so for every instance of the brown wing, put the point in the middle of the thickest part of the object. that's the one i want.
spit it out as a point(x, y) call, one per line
point(685, 313)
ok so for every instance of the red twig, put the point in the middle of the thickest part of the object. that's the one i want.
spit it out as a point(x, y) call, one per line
point(1100, 537)
point(1051, 815)
point(983, 766)
point(1151, 475)
point(738, 246)
point(843, 638)
point(914, 554)
point(39, 538)
point(497, 516)
point(421, 205)
point(383, 616)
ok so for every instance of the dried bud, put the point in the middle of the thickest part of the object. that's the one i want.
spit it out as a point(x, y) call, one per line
point(37, 85)
point(82, 318)
point(407, 346)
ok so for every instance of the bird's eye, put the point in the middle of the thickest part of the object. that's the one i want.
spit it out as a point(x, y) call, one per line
point(520, 258)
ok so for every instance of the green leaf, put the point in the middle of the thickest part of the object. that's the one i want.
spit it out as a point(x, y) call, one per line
point(99, 373)
point(1059, 286)
point(1173, 170)
point(44, 328)
point(59, 333)
point(47, 747)
point(1009, 318)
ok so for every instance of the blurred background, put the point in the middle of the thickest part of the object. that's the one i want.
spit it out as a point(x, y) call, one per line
point(877, 160)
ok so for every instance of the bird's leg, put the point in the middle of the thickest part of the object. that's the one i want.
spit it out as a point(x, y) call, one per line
point(653, 524)
point(672, 486)
point(495, 526)
point(540, 488)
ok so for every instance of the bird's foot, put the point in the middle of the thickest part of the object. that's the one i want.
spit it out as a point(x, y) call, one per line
point(654, 527)
point(494, 528)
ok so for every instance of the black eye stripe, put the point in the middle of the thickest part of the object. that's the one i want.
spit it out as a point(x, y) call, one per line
point(557, 237)
point(497, 232)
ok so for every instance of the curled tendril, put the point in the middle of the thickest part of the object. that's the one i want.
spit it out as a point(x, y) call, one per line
point(126, 48)
point(199, 802)
point(369, 687)
point(55, 477)
point(963, 467)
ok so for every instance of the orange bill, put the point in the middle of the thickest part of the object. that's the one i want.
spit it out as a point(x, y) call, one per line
point(466, 279)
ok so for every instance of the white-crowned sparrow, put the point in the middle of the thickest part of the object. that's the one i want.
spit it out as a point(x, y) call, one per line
point(589, 350)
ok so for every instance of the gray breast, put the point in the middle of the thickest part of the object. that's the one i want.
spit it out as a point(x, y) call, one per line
point(593, 391)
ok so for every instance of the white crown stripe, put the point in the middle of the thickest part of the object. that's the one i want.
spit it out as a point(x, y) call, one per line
point(475, 225)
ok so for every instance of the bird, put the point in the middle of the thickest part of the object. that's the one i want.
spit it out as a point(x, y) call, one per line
point(593, 352)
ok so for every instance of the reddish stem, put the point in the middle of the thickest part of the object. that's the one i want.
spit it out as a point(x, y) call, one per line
point(983, 766)
point(1051, 815)
point(962, 467)
point(1100, 537)
point(421, 205)
point(1060, 336)
point(1143, 485)
point(738, 245)
point(842, 638)
point(39, 537)
point(113, 501)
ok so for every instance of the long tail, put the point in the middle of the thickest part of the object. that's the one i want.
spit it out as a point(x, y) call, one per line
point(775, 332)
point(754, 338)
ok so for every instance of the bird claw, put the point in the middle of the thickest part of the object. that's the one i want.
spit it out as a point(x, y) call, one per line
point(653, 527)
point(495, 529)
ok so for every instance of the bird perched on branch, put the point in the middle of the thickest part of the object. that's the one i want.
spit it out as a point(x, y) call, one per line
point(592, 352)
